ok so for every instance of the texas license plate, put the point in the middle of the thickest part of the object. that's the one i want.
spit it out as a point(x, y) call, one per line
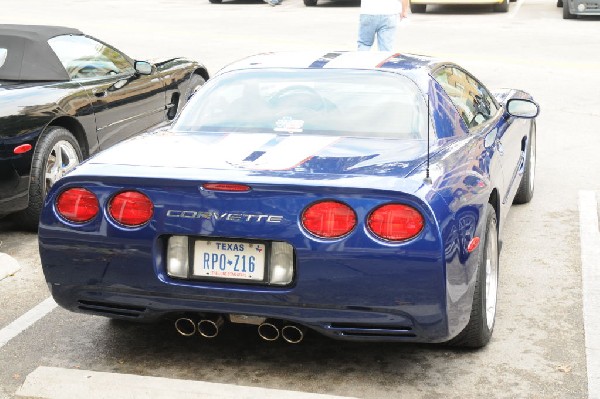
point(233, 260)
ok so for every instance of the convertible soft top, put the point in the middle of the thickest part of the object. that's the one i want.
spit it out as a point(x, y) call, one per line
point(29, 57)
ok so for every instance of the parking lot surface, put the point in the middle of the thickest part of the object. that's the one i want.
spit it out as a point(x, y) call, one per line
point(539, 345)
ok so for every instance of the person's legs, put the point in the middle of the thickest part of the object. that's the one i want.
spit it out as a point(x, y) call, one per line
point(366, 32)
point(386, 34)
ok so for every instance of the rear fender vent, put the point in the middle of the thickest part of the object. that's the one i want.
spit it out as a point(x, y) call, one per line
point(111, 309)
point(365, 330)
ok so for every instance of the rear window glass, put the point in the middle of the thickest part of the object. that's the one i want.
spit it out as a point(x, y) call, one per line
point(3, 53)
point(356, 103)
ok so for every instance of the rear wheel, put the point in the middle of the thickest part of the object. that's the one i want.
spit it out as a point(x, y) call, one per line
point(56, 153)
point(478, 331)
point(216, 1)
point(310, 3)
point(525, 190)
point(418, 8)
point(559, 3)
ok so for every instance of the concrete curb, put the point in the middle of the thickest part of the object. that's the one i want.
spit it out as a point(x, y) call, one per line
point(8, 265)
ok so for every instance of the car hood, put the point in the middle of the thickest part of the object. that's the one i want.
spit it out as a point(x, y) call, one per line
point(267, 153)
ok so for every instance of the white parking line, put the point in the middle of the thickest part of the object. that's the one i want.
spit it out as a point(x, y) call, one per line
point(59, 383)
point(25, 321)
point(590, 274)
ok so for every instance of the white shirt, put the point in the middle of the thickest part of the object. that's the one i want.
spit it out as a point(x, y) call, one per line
point(380, 7)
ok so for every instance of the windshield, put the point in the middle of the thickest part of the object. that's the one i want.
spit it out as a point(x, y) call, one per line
point(314, 101)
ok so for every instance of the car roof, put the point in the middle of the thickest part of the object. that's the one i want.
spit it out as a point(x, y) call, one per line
point(409, 64)
point(29, 57)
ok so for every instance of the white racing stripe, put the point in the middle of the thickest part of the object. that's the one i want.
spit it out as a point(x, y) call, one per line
point(26, 321)
point(366, 59)
point(238, 146)
point(59, 383)
point(590, 274)
point(291, 152)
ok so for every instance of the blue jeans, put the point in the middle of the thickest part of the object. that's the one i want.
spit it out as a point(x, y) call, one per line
point(382, 26)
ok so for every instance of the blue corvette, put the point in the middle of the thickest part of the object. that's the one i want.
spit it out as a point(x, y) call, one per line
point(358, 195)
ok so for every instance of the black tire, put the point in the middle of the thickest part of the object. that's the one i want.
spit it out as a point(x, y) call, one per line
point(559, 3)
point(53, 139)
point(502, 7)
point(215, 1)
point(418, 8)
point(567, 11)
point(310, 3)
point(527, 185)
point(479, 330)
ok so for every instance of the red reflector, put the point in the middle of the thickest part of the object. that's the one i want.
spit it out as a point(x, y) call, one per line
point(226, 187)
point(329, 219)
point(473, 244)
point(22, 149)
point(131, 208)
point(395, 222)
point(77, 205)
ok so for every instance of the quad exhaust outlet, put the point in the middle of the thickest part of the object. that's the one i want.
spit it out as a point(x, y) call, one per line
point(293, 333)
point(269, 330)
point(209, 328)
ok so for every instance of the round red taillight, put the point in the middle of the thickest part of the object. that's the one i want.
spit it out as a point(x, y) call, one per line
point(77, 205)
point(329, 219)
point(131, 208)
point(395, 222)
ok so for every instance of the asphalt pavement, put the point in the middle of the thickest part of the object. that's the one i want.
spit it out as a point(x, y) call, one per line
point(545, 343)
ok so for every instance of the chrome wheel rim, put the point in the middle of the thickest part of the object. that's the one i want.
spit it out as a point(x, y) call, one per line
point(532, 161)
point(62, 159)
point(491, 275)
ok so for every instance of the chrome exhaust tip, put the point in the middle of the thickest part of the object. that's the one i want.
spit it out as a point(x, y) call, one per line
point(268, 331)
point(293, 334)
point(185, 326)
point(209, 328)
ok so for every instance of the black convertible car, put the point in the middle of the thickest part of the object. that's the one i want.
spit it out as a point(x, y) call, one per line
point(64, 96)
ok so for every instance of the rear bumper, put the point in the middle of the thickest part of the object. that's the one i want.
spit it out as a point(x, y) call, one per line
point(390, 297)
point(344, 322)
point(355, 287)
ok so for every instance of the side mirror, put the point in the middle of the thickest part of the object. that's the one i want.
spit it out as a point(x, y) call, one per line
point(522, 108)
point(143, 67)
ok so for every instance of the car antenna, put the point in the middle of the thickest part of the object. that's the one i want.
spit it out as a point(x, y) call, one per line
point(427, 178)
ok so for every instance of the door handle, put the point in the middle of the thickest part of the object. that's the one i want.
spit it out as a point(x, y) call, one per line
point(100, 93)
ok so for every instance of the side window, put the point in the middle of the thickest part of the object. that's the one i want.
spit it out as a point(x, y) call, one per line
point(84, 57)
point(485, 107)
point(471, 99)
